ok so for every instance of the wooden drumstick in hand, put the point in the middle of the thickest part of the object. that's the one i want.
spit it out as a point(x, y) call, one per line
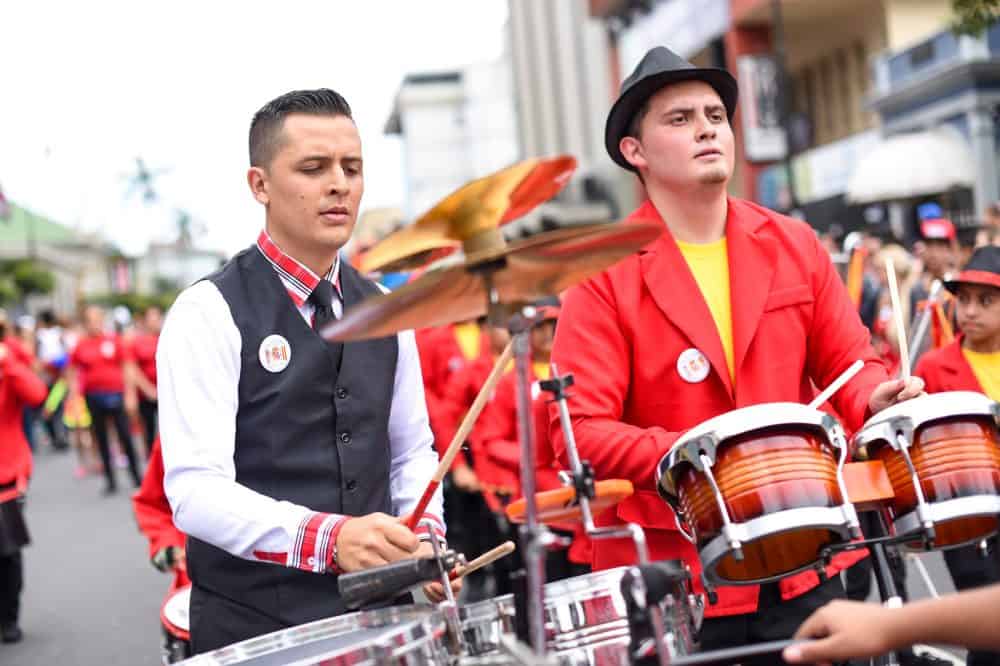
point(463, 431)
point(490, 556)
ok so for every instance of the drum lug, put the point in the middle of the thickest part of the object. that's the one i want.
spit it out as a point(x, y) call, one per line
point(902, 439)
point(713, 598)
point(727, 523)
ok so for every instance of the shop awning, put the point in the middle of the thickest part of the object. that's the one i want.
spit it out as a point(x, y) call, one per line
point(911, 165)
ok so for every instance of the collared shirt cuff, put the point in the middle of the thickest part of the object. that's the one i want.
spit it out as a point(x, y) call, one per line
point(314, 542)
point(423, 532)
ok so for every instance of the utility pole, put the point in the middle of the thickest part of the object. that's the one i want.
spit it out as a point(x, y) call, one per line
point(778, 40)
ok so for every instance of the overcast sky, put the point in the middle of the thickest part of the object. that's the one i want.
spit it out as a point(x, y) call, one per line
point(86, 87)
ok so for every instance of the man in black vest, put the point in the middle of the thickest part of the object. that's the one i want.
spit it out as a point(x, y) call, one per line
point(289, 459)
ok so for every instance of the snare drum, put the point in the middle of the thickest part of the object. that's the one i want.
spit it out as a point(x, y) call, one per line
point(760, 491)
point(400, 635)
point(586, 619)
point(176, 621)
point(484, 622)
point(949, 443)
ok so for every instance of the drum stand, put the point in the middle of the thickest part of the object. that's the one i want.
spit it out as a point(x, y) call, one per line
point(582, 479)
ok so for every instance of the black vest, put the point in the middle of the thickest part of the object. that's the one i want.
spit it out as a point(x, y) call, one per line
point(312, 434)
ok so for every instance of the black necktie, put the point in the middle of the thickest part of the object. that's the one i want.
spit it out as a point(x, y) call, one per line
point(322, 299)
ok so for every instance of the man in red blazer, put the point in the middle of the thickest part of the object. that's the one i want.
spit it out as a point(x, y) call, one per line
point(19, 388)
point(734, 305)
point(971, 363)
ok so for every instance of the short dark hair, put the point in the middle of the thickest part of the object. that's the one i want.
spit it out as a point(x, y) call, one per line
point(265, 128)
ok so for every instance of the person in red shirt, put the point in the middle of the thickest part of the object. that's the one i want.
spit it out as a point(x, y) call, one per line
point(143, 352)
point(155, 517)
point(733, 305)
point(98, 368)
point(19, 388)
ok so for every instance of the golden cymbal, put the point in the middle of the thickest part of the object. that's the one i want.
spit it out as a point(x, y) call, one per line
point(522, 272)
point(471, 214)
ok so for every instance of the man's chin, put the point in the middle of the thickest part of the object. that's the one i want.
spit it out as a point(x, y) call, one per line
point(713, 177)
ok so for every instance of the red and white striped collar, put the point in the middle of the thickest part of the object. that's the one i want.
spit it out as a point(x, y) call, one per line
point(299, 280)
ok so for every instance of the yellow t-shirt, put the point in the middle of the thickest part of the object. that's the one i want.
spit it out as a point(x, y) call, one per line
point(986, 367)
point(709, 263)
point(468, 336)
point(541, 369)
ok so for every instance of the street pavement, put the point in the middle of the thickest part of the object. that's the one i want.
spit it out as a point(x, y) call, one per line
point(91, 596)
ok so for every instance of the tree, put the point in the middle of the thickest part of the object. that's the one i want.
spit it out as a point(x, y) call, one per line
point(974, 17)
point(20, 278)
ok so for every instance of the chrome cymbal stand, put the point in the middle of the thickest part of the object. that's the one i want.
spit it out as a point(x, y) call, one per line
point(582, 479)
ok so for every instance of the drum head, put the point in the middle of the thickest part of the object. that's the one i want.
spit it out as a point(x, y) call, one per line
point(175, 613)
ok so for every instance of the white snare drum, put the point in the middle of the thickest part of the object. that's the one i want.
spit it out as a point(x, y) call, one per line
point(942, 455)
point(760, 491)
point(175, 614)
point(586, 619)
point(400, 635)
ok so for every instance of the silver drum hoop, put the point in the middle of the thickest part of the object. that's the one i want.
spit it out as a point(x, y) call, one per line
point(403, 635)
point(484, 622)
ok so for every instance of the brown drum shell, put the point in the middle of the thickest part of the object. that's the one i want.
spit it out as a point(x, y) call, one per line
point(954, 458)
point(762, 473)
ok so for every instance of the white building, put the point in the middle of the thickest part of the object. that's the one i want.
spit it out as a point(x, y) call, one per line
point(456, 126)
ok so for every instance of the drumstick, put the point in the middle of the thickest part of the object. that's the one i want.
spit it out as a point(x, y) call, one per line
point(897, 311)
point(463, 431)
point(490, 556)
point(844, 377)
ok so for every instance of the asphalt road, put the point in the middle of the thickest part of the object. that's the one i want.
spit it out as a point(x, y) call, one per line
point(90, 595)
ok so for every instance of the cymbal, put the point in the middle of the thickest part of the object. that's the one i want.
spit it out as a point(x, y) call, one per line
point(561, 506)
point(524, 271)
point(476, 208)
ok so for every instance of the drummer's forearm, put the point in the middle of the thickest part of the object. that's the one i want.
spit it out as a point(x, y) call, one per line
point(970, 619)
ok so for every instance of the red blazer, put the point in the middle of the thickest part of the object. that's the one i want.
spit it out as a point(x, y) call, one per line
point(946, 369)
point(152, 511)
point(621, 334)
point(19, 388)
point(440, 358)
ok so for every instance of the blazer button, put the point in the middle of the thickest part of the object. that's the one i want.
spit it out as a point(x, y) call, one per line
point(341, 392)
point(345, 437)
point(351, 485)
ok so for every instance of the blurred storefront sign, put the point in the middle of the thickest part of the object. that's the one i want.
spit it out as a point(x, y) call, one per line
point(684, 26)
point(763, 135)
point(819, 174)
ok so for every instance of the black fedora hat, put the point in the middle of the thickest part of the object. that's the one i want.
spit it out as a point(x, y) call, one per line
point(983, 268)
point(658, 68)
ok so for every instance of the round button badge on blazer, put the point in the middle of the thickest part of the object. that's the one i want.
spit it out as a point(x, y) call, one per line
point(692, 366)
point(275, 353)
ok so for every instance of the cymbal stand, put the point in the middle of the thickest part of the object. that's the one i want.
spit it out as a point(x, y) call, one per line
point(583, 481)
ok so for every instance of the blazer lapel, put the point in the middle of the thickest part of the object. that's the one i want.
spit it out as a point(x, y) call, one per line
point(752, 259)
point(954, 363)
point(675, 292)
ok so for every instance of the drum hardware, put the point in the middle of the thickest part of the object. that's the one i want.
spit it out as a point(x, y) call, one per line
point(446, 561)
point(917, 341)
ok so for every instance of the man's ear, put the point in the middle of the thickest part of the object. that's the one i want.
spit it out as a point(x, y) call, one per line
point(632, 151)
point(257, 180)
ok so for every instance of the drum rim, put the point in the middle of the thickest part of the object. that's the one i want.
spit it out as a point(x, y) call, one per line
point(833, 518)
point(972, 506)
point(183, 632)
point(918, 412)
point(709, 435)
point(420, 623)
